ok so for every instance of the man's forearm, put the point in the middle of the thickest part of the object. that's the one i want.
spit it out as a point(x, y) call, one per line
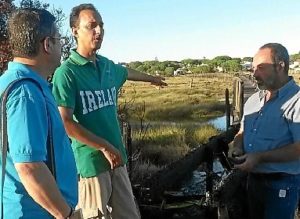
point(283, 154)
point(75, 130)
point(238, 140)
point(135, 75)
point(41, 186)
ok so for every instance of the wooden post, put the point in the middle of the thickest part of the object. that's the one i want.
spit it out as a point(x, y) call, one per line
point(227, 108)
point(129, 148)
point(209, 173)
point(238, 103)
point(191, 83)
point(241, 101)
point(233, 100)
point(127, 141)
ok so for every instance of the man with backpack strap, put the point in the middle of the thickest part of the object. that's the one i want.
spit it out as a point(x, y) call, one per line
point(31, 189)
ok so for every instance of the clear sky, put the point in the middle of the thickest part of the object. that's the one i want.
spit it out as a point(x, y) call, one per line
point(139, 30)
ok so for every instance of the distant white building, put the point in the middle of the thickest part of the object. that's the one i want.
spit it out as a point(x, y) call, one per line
point(219, 69)
point(179, 71)
point(246, 65)
point(294, 65)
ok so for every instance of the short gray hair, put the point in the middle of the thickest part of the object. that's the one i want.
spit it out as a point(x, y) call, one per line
point(279, 53)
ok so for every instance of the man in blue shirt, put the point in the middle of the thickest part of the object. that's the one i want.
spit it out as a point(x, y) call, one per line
point(270, 137)
point(30, 189)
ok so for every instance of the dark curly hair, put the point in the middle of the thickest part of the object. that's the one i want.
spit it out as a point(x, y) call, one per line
point(27, 28)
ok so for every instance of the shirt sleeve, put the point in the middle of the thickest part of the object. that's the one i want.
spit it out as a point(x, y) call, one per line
point(293, 119)
point(64, 87)
point(121, 75)
point(27, 124)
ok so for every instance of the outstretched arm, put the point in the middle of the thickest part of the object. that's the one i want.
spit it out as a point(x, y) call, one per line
point(135, 75)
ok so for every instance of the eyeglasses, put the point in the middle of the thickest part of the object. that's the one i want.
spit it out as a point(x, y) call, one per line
point(93, 26)
point(62, 40)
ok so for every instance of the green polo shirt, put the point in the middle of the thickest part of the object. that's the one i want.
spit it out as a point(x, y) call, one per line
point(91, 91)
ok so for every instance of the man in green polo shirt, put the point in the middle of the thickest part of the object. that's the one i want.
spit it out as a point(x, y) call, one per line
point(85, 88)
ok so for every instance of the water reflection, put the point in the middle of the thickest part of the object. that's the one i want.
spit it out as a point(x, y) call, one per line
point(218, 123)
point(196, 184)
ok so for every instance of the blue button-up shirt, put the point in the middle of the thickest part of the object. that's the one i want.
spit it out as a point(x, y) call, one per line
point(273, 124)
point(27, 129)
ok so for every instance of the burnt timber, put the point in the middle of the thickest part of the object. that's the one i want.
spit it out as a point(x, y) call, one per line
point(172, 175)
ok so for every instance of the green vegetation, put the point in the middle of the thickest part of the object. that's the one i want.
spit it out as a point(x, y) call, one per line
point(232, 65)
point(190, 66)
point(158, 146)
point(168, 122)
point(164, 144)
point(5, 9)
point(295, 57)
point(186, 98)
point(223, 63)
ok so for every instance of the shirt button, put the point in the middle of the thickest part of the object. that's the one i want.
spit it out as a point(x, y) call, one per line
point(250, 145)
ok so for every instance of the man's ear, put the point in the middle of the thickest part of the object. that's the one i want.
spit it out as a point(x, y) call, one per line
point(74, 32)
point(46, 45)
point(281, 64)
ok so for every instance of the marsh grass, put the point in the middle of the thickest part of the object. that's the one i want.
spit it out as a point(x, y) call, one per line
point(161, 144)
point(201, 135)
point(186, 98)
point(165, 144)
point(177, 111)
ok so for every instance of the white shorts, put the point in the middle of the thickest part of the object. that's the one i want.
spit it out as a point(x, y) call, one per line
point(108, 195)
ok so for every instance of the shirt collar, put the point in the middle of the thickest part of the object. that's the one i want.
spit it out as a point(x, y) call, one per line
point(80, 60)
point(26, 72)
point(290, 85)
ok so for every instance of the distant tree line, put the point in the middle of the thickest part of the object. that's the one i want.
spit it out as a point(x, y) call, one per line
point(195, 66)
point(295, 57)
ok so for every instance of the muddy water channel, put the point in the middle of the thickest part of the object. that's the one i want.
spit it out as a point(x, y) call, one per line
point(218, 123)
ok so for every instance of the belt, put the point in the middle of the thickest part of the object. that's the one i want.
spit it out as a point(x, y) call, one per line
point(270, 176)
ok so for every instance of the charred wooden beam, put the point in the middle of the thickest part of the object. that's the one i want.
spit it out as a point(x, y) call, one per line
point(173, 174)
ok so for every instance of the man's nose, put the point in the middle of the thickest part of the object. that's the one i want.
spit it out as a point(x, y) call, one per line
point(98, 29)
point(255, 72)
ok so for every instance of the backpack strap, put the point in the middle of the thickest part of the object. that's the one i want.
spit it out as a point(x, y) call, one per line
point(4, 139)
